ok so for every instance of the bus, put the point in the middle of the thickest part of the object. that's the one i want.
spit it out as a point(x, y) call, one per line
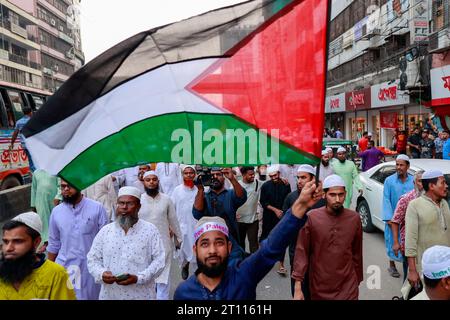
point(14, 169)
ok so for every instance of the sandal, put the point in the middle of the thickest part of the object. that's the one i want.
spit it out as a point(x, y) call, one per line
point(282, 271)
point(394, 272)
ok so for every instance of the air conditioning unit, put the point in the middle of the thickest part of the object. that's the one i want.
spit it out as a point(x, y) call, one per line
point(70, 55)
point(47, 71)
point(61, 28)
point(53, 22)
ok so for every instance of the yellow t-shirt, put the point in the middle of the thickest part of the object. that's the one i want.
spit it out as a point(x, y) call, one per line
point(48, 282)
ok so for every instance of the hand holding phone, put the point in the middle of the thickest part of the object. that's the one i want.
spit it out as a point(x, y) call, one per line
point(122, 277)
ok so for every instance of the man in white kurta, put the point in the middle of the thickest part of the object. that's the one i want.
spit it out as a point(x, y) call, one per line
point(325, 166)
point(183, 199)
point(169, 176)
point(103, 191)
point(158, 209)
point(289, 173)
point(131, 247)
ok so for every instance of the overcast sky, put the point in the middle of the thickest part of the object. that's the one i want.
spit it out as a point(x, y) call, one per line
point(106, 23)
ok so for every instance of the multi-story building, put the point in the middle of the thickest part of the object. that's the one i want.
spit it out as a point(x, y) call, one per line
point(379, 66)
point(40, 43)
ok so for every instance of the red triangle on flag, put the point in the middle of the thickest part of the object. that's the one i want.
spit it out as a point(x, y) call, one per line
point(275, 78)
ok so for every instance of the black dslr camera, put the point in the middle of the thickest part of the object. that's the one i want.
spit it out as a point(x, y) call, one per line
point(204, 176)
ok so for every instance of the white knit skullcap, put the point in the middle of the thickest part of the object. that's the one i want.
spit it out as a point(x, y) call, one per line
point(185, 166)
point(31, 219)
point(333, 181)
point(273, 169)
point(329, 149)
point(150, 173)
point(306, 168)
point(432, 174)
point(130, 191)
point(324, 152)
point(341, 149)
point(436, 262)
point(403, 157)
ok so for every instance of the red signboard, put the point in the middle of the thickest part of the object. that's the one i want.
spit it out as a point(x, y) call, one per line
point(358, 100)
point(389, 120)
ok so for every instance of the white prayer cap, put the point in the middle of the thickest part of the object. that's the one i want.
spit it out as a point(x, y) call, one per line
point(31, 219)
point(432, 174)
point(436, 262)
point(341, 149)
point(273, 169)
point(403, 157)
point(207, 224)
point(185, 166)
point(328, 149)
point(324, 152)
point(306, 168)
point(369, 134)
point(149, 173)
point(333, 181)
point(130, 191)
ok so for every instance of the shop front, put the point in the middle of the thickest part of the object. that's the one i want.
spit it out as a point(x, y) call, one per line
point(357, 105)
point(389, 111)
point(335, 112)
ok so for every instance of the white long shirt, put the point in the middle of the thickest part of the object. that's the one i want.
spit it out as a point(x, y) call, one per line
point(103, 191)
point(169, 175)
point(289, 172)
point(139, 252)
point(160, 211)
point(183, 199)
point(248, 211)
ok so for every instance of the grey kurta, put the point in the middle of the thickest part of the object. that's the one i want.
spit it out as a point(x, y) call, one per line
point(161, 212)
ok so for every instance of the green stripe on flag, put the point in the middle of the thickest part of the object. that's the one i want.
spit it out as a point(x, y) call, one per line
point(192, 138)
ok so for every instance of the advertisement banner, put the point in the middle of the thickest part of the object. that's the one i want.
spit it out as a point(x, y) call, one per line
point(389, 120)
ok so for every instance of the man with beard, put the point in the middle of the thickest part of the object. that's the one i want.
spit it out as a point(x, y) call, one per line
point(183, 198)
point(127, 255)
point(73, 226)
point(398, 220)
point(273, 194)
point(305, 174)
point(221, 202)
point(347, 171)
point(25, 275)
point(329, 247)
point(325, 168)
point(158, 209)
point(139, 183)
point(426, 223)
point(216, 279)
point(395, 186)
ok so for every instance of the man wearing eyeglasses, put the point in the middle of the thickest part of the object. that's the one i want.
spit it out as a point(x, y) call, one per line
point(73, 226)
point(222, 202)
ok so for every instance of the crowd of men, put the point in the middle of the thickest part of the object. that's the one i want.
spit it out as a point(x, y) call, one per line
point(117, 239)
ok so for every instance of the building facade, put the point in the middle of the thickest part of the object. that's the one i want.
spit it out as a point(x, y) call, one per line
point(380, 69)
point(40, 43)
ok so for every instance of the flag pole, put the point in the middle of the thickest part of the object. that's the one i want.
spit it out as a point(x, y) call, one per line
point(317, 174)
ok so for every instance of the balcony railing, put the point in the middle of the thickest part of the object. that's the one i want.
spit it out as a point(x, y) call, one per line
point(5, 23)
point(24, 61)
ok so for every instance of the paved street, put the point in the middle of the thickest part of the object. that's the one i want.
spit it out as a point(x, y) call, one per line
point(275, 287)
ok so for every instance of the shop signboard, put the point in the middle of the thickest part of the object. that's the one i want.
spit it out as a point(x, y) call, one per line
point(358, 100)
point(440, 86)
point(335, 103)
point(387, 94)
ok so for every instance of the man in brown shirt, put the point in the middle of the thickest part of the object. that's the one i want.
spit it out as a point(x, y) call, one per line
point(330, 247)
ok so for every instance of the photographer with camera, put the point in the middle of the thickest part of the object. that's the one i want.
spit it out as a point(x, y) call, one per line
point(221, 202)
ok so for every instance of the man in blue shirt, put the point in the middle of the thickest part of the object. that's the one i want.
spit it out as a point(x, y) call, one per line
point(395, 186)
point(18, 132)
point(220, 202)
point(216, 280)
point(446, 150)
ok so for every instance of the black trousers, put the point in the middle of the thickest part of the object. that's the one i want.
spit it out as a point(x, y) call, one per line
point(249, 230)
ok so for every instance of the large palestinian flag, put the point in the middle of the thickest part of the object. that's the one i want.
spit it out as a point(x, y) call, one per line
point(220, 88)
